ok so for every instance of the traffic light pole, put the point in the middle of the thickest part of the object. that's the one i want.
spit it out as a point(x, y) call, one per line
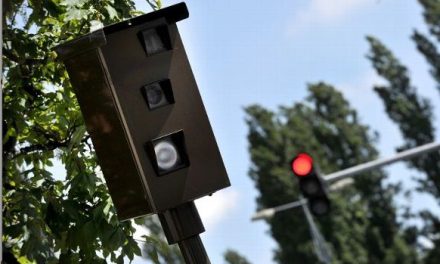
point(322, 251)
point(183, 225)
point(350, 172)
point(269, 212)
point(407, 154)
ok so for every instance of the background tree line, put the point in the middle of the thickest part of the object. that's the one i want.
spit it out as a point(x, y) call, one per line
point(364, 225)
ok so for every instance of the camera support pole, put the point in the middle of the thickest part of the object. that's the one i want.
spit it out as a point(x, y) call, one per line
point(183, 225)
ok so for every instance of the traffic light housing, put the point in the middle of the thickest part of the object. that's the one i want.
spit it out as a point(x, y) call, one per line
point(143, 110)
point(311, 184)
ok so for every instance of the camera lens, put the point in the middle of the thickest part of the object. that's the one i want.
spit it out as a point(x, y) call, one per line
point(153, 42)
point(166, 155)
point(154, 94)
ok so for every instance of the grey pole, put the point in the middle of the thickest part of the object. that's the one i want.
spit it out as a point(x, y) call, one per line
point(407, 154)
point(321, 249)
point(268, 213)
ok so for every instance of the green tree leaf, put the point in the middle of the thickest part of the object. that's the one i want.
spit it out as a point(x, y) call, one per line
point(111, 12)
point(65, 218)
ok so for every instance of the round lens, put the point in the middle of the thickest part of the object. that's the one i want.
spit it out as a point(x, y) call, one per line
point(302, 164)
point(154, 95)
point(310, 187)
point(166, 155)
point(319, 207)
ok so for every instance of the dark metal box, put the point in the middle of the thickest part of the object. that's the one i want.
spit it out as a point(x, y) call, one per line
point(108, 69)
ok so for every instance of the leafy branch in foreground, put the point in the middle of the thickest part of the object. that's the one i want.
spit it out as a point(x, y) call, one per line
point(67, 217)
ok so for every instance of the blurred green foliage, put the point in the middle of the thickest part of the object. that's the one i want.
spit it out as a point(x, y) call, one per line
point(233, 257)
point(413, 114)
point(363, 226)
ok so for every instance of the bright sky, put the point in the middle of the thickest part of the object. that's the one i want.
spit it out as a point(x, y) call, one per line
point(265, 52)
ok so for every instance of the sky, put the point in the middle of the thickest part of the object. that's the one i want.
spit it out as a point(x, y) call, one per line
point(266, 52)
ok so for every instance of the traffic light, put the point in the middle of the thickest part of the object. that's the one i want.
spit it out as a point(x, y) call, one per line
point(311, 184)
point(143, 110)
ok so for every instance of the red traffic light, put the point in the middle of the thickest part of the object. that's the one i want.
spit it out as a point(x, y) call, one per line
point(302, 164)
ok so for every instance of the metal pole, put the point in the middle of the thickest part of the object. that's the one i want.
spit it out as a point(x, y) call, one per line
point(321, 249)
point(381, 162)
point(193, 251)
point(183, 225)
point(267, 213)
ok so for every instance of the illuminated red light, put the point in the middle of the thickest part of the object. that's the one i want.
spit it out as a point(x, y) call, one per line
point(302, 164)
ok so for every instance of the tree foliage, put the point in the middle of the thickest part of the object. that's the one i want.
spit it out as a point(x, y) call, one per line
point(233, 257)
point(413, 113)
point(431, 13)
point(362, 227)
point(427, 47)
point(405, 107)
point(47, 218)
point(157, 248)
point(431, 54)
